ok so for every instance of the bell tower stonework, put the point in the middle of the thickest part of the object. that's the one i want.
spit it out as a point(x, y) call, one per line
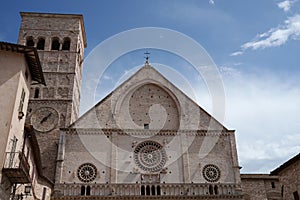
point(60, 40)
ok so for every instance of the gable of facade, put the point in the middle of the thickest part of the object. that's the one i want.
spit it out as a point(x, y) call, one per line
point(134, 102)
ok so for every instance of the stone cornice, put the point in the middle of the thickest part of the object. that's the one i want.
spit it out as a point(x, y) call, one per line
point(95, 131)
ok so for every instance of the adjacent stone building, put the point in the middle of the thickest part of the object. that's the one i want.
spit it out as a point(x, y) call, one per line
point(289, 178)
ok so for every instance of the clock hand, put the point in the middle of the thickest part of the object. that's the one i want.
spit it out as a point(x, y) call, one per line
point(45, 118)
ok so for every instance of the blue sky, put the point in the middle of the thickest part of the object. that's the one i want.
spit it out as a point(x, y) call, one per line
point(255, 45)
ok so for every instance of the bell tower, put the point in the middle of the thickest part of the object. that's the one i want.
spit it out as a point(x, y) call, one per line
point(60, 40)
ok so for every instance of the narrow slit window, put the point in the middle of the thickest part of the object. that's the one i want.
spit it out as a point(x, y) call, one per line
point(152, 190)
point(143, 190)
point(88, 190)
point(36, 93)
point(211, 190)
point(44, 193)
point(82, 190)
point(148, 190)
point(158, 190)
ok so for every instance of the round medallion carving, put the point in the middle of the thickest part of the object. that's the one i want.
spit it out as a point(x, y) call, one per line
point(150, 156)
point(211, 173)
point(87, 172)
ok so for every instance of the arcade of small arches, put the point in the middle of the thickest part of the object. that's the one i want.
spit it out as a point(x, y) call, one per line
point(56, 44)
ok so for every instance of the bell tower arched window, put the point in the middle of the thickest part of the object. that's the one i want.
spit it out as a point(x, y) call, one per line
point(30, 42)
point(55, 44)
point(66, 44)
point(41, 44)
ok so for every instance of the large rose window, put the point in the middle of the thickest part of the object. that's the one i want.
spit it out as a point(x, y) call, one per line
point(150, 156)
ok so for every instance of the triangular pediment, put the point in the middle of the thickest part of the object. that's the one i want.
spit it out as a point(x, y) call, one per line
point(147, 100)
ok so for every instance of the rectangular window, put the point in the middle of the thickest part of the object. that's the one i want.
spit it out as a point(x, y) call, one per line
point(146, 126)
point(22, 101)
point(296, 195)
point(44, 193)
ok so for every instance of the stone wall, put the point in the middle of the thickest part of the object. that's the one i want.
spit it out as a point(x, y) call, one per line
point(290, 180)
point(260, 186)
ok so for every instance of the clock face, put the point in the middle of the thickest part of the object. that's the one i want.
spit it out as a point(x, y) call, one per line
point(44, 119)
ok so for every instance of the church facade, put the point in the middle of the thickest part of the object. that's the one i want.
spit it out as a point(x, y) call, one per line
point(145, 140)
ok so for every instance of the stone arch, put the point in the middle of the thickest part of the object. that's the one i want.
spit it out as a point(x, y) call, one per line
point(41, 43)
point(30, 41)
point(55, 44)
point(147, 102)
point(66, 44)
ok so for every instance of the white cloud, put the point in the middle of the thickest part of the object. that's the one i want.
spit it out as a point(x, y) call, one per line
point(277, 36)
point(237, 53)
point(285, 5)
point(212, 2)
point(263, 109)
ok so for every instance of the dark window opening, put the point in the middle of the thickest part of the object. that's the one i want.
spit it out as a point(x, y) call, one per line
point(146, 126)
point(296, 195)
point(66, 44)
point(41, 44)
point(30, 42)
point(55, 44)
point(282, 187)
point(158, 190)
point(44, 193)
point(153, 190)
point(211, 190)
point(143, 190)
point(147, 190)
point(88, 190)
point(273, 184)
point(216, 190)
point(36, 93)
point(82, 190)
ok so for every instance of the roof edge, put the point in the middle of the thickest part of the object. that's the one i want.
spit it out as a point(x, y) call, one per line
point(286, 164)
point(31, 57)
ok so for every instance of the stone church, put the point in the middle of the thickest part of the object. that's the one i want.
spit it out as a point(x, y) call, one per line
point(145, 140)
